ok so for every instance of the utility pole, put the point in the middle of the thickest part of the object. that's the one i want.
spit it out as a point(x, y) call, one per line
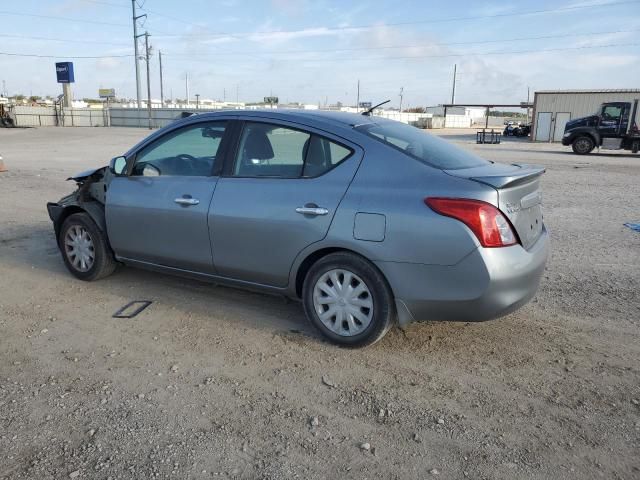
point(224, 94)
point(401, 94)
point(197, 101)
point(528, 106)
point(4, 89)
point(237, 92)
point(358, 98)
point(186, 86)
point(147, 54)
point(453, 90)
point(161, 82)
point(135, 48)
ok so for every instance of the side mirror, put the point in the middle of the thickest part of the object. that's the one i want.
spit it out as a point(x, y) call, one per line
point(118, 165)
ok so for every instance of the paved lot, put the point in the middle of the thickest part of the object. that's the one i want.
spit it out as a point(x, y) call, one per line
point(212, 382)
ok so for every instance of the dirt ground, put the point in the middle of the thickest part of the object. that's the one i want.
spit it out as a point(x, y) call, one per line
point(212, 382)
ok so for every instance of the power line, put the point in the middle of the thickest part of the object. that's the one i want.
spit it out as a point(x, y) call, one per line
point(414, 22)
point(68, 19)
point(468, 54)
point(388, 47)
point(170, 17)
point(500, 52)
point(68, 40)
point(10, 54)
point(385, 47)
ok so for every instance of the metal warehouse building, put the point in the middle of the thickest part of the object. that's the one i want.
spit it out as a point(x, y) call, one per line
point(553, 109)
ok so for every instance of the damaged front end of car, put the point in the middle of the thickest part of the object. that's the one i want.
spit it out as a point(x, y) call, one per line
point(89, 197)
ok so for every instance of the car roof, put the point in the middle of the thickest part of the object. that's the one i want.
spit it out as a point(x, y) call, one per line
point(327, 117)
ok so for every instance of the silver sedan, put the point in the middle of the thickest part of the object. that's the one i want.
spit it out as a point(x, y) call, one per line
point(368, 222)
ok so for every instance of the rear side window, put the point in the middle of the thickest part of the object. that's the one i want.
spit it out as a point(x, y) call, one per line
point(421, 145)
point(267, 150)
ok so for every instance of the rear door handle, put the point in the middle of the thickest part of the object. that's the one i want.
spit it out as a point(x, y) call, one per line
point(314, 211)
point(187, 201)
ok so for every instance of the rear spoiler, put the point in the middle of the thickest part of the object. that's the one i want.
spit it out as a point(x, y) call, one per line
point(527, 173)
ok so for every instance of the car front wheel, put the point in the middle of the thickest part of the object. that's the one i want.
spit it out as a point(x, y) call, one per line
point(348, 300)
point(583, 145)
point(84, 248)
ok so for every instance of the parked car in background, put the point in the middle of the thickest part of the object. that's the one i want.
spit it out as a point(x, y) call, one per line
point(367, 221)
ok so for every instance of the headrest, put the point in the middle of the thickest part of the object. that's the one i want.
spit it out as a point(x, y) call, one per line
point(257, 146)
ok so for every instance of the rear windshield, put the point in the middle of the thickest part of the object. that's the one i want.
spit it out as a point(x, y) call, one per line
point(421, 145)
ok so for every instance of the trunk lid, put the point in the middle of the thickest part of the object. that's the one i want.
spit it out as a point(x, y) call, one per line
point(519, 196)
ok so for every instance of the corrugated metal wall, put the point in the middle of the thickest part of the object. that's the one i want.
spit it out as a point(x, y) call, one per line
point(577, 104)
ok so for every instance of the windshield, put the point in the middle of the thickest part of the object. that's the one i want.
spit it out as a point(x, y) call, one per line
point(421, 145)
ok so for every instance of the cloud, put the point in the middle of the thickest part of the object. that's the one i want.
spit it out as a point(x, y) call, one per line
point(286, 36)
point(409, 44)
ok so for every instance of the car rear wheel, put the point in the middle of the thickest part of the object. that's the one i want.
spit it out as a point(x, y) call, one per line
point(583, 145)
point(84, 248)
point(348, 300)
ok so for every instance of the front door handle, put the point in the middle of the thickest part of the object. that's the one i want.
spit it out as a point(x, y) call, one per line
point(313, 210)
point(187, 201)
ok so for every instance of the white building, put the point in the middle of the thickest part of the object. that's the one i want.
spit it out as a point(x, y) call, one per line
point(552, 109)
point(459, 117)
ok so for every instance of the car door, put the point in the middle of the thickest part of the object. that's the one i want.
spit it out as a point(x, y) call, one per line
point(610, 118)
point(157, 213)
point(278, 196)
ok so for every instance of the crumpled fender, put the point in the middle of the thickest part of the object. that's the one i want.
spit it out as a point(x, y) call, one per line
point(59, 211)
point(78, 177)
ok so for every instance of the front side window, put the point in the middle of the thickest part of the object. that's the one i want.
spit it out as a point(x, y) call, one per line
point(190, 151)
point(611, 113)
point(267, 150)
point(420, 145)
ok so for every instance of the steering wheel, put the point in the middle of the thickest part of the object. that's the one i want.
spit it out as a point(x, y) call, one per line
point(190, 160)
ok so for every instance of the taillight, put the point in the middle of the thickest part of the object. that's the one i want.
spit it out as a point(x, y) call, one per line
point(485, 221)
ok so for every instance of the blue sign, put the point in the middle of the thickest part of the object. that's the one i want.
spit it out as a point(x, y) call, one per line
point(64, 72)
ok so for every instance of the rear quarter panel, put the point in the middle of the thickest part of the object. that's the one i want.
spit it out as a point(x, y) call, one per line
point(391, 184)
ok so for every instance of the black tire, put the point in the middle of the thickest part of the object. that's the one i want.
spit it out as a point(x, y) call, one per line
point(583, 145)
point(383, 309)
point(104, 262)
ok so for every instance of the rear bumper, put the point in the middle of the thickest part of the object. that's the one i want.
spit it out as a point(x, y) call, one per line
point(487, 284)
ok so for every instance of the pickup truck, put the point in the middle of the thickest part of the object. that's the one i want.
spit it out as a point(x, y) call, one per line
point(614, 127)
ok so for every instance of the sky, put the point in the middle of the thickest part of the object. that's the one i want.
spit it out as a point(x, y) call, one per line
point(316, 51)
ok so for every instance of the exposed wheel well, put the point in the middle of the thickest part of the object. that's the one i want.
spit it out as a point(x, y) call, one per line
point(66, 212)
